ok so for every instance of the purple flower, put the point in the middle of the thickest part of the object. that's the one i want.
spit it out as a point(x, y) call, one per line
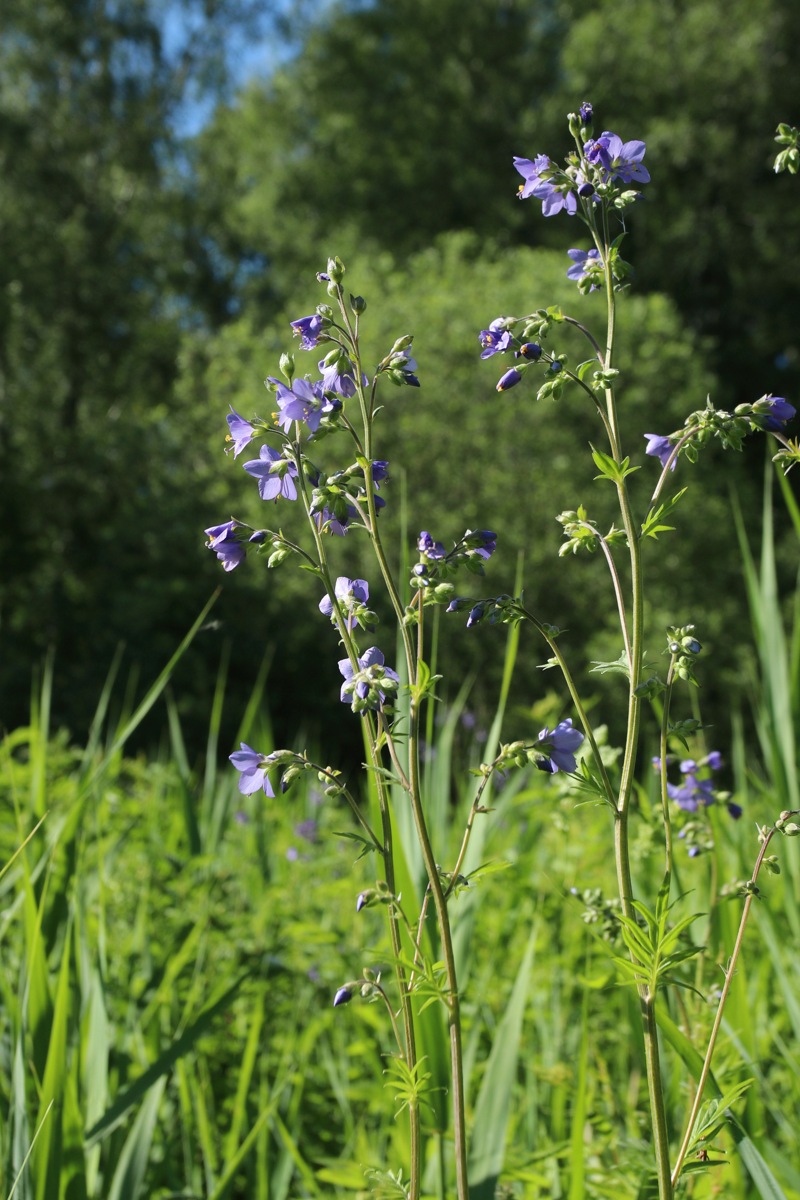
point(530, 172)
point(480, 543)
point(692, 793)
point(351, 594)
point(361, 689)
point(531, 351)
point(771, 413)
point(553, 196)
point(308, 329)
point(308, 830)
point(580, 260)
point(343, 996)
point(734, 810)
point(427, 546)
point(660, 448)
point(622, 160)
point(223, 541)
point(327, 521)
point(714, 760)
point(339, 376)
point(495, 339)
point(240, 432)
point(597, 152)
point(380, 471)
point(275, 475)
point(253, 768)
point(585, 112)
point(559, 745)
point(509, 380)
point(475, 614)
point(304, 401)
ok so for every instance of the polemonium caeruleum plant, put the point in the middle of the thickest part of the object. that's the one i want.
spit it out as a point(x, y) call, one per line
point(320, 451)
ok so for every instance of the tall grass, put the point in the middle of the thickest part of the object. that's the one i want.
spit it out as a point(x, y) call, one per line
point(170, 950)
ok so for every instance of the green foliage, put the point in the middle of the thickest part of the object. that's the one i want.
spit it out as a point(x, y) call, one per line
point(178, 1000)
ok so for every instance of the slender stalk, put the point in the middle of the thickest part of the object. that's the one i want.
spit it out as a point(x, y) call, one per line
point(371, 740)
point(729, 973)
point(621, 833)
point(663, 773)
point(583, 716)
point(413, 789)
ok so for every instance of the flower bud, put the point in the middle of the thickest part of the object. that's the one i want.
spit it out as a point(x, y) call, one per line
point(509, 380)
point(358, 304)
point(531, 350)
point(343, 996)
point(335, 269)
point(286, 364)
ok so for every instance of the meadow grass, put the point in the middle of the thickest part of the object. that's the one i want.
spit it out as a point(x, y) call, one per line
point(170, 950)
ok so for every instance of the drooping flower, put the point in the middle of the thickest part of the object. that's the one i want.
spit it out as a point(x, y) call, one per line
point(223, 540)
point(338, 376)
point(559, 746)
point(308, 329)
point(327, 521)
point(352, 595)
point(253, 769)
point(366, 688)
point(771, 413)
point(661, 448)
point(495, 339)
point(343, 996)
point(586, 112)
point(479, 543)
point(580, 260)
point(275, 475)
point(240, 432)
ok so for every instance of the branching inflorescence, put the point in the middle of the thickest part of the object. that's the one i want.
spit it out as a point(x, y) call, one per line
point(598, 185)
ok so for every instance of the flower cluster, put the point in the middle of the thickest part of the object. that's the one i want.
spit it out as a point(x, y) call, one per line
point(366, 689)
point(336, 498)
point(589, 176)
point(697, 791)
point(770, 414)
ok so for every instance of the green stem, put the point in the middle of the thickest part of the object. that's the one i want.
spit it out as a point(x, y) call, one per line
point(621, 832)
point(576, 700)
point(371, 735)
point(712, 1041)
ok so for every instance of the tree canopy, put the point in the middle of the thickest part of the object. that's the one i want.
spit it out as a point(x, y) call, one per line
point(148, 271)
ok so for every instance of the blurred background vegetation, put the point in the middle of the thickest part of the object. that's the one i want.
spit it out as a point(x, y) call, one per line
point(171, 176)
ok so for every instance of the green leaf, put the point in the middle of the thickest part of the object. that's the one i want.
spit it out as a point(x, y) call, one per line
point(493, 1106)
point(609, 468)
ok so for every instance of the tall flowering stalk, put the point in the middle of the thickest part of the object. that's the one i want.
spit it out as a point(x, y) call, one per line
point(338, 406)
